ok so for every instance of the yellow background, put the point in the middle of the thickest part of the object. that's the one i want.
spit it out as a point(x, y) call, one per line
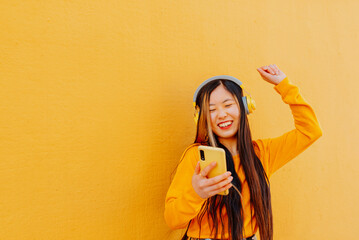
point(96, 110)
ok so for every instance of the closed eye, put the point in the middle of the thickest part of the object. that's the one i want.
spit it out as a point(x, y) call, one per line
point(228, 105)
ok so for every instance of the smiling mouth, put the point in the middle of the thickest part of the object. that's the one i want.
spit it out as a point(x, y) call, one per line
point(225, 125)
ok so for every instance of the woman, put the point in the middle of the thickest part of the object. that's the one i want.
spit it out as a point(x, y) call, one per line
point(192, 200)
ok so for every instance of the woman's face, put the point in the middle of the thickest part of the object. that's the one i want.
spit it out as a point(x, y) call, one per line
point(224, 113)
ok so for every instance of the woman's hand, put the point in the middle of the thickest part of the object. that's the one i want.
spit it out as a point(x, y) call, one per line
point(208, 187)
point(271, 74)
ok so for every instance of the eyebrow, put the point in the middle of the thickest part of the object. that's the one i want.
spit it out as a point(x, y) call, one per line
point(228, 99)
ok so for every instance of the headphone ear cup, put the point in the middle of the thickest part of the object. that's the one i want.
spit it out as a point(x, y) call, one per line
point(249, 104)
point(244, 100)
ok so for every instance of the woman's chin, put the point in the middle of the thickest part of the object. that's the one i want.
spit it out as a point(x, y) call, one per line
point(226, 135)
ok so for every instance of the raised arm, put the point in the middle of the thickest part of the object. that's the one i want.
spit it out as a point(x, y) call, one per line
point(276, 152)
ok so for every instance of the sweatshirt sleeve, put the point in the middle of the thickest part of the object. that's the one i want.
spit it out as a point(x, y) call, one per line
point(276, 152)
point(182, 202)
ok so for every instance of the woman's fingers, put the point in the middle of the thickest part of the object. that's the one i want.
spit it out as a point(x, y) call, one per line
point(271, 74)
point(264, 74)
point(261, 71)
point(275, 69)
point(279, 71)
point(268, 69)
point(197, 169)
point(272, 69)
point(222, 189)
point(207, 169)
point(220, 184)
point(206, 187)
point(219, 178)
point(264, 71)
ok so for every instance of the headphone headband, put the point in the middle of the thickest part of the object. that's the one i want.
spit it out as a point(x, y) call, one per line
point(226, 77)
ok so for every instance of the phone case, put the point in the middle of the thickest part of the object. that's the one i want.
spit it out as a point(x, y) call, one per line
point(213, 154)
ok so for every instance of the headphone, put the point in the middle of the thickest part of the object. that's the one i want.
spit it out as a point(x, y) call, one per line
point(248, 101)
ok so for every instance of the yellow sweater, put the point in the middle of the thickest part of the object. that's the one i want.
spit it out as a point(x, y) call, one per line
point(183, 204)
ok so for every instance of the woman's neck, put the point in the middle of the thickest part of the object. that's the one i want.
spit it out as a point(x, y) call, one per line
point(230, 144)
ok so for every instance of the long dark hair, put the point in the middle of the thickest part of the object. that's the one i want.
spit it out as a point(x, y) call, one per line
point(258, 182)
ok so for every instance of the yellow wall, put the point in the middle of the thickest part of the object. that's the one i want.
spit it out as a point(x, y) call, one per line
point(96, 110)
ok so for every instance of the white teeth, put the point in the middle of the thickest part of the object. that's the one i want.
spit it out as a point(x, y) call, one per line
point(225, 124)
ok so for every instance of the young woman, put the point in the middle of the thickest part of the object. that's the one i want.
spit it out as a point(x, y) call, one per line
point(192, 200)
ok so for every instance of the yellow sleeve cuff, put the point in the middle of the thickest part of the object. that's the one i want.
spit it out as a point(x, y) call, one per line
point(283, 86)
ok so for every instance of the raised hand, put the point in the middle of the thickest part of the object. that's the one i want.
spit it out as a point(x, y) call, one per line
point(271, 74)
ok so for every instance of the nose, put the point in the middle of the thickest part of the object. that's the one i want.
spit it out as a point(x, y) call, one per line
point(222, 113)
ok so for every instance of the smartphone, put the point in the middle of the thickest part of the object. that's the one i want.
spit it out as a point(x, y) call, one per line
point(209, 154)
